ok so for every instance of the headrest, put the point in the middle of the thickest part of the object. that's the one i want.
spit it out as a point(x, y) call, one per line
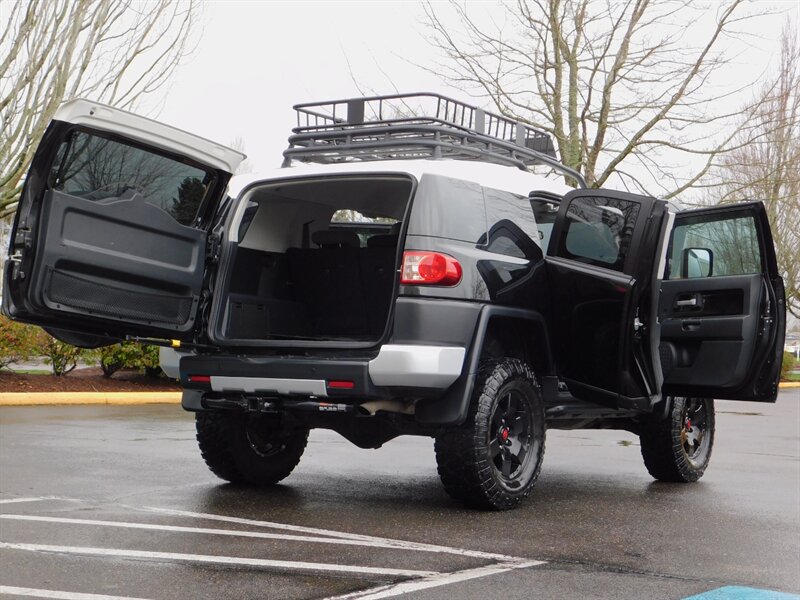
point(336, 238)
point(384, 240)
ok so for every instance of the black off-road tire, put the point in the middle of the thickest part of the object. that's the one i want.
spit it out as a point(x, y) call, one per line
point(245, 450)
point(678, 448)
point(473, 459)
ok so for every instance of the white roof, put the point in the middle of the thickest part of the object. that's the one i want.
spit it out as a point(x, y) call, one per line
point(509, 179)
point(129, 125)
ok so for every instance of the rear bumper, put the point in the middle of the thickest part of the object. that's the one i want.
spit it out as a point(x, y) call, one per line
point(419, 368)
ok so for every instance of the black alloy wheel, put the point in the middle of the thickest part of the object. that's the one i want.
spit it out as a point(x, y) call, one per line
point(493, 460)
point(678, 448)
point(511, 439)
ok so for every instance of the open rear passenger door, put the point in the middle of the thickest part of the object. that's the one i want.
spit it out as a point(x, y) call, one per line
point(111, 234)
point(722, 306)
point(602, 269)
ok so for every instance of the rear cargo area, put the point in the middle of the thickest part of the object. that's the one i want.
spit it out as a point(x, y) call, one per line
point(315, 259)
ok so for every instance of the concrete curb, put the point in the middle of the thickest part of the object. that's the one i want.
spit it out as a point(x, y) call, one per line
point(122, 398)
point(65, 398)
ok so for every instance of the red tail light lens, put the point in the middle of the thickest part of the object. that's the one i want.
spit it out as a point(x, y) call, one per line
point(200, 378)
point(341, 385)
point(429, 268)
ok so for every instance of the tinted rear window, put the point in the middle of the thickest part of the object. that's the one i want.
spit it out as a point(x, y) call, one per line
point(448, 208)
point(100, 169)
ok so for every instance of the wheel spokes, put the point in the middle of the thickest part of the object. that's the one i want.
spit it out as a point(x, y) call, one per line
point(510, 433)
point(506, 466)
point(494, 448)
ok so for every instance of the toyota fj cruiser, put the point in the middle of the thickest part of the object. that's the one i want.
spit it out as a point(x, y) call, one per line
point(411, 275)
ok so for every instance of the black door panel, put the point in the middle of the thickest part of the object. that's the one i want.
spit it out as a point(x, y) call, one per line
point(110, 238)
point(722, 323)
point(710, 343)
point(601, 267)
point(122, 260)
point(591, 334)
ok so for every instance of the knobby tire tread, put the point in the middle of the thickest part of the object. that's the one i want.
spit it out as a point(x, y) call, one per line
point(225, 450)
point(464, 468)
point(662, 449)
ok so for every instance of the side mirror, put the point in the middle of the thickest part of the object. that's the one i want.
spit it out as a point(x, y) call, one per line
point(697, 262)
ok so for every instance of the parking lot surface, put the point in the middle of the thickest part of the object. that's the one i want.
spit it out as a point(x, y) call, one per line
point(115, 502)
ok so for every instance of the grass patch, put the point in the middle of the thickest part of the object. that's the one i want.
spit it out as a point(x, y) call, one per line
point(792, 377)
point(30, 371)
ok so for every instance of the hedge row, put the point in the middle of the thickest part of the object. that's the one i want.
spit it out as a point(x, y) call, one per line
point(20, 342)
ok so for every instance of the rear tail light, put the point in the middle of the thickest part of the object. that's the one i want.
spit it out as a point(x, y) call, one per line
point(341, 385)
point(429, 268)
point(200, 378)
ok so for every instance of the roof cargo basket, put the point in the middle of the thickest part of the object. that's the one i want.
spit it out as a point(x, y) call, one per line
point(413, 126)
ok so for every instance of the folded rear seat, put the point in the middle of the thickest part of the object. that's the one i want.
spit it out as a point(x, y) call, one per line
point(378, 275)
point(328, 280)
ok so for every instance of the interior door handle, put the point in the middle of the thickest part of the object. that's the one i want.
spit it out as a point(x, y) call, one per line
point(690, 324)
point(688, 302)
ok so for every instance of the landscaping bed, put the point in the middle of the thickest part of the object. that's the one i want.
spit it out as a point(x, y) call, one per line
point(86, 380)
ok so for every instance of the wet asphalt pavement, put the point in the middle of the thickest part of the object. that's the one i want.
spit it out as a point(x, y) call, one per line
point(115, 501)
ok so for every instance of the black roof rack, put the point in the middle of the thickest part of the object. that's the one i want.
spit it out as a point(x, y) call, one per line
point(419, 125)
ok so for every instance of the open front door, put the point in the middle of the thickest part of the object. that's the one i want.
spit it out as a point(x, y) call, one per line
point(722, 307)
point(110, 237)
point(602, 264)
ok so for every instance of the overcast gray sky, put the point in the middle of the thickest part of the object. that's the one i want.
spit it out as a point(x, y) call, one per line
point(254, 60)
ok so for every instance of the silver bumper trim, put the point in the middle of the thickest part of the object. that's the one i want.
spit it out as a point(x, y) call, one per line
point(417, 366)
point(251, 385)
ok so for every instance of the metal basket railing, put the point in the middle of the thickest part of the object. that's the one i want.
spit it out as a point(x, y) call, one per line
point(411, 126)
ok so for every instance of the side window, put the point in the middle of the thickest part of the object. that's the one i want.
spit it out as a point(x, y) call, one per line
point(100, 169)
point(707, 246)
point(545, 212)
point(366, 226)
point(512, 225)
point(598, 231)
point(505, 243)
point(449, 208)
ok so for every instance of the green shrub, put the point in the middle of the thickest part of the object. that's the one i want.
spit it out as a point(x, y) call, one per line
point(129, 355)
point(18, 341)
point(62, 357)
point(789, 361)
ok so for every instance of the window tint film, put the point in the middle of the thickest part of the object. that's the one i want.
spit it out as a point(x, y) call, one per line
point(100, 169)
point(507, 208)
point(713, 247)
point(545, 214)
point(448, 208)
point(599, 230)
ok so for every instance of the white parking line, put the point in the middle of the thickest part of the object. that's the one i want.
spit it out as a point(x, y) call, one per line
point(15, 500)
point(207, 530)
point(440, 579)
point(58, 595)
point(222, 560)
point(393, 543)
point(420, 580)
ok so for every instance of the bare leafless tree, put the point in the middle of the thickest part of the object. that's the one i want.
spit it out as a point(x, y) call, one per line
point(768, 168)
point(112, 51)
point(617, 83)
